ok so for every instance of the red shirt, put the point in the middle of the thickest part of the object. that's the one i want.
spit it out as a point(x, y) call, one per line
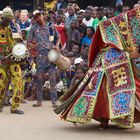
point(61, 30)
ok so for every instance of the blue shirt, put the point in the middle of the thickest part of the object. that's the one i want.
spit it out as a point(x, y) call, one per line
point(86, 42)
point(24, 26)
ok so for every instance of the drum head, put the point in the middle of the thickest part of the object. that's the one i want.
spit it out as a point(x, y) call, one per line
point(53, 56)
point(19, 50)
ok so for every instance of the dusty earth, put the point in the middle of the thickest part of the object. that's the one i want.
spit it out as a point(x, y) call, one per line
point(42, 124)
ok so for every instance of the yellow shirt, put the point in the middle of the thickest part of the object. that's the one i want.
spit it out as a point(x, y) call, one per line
point(6, 40)
point(50, 5)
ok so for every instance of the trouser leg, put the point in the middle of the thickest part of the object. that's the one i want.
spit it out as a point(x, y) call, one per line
point(39, 87)
point(3, 84)
point(53, 91)
point(17, 84)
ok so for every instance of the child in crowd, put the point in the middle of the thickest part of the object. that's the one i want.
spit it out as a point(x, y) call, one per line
point(78, 75)
point(24, 36)
point(76, 50)
point(60, 27)
point(87, 40)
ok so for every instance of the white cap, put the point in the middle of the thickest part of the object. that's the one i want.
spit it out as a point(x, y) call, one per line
point(24, 11)
point(7, 12)
point(1, 12)
point(81, 11)
point(78, 61)
point(36, 12)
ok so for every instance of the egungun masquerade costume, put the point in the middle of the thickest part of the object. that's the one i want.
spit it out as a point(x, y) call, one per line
point(111, 87)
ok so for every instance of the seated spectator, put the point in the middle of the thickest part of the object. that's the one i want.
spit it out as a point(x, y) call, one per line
point(84, 54)
point(88, 20)
point(78, 76)
point(76, 50)
point(78, 62)
point(87, 40)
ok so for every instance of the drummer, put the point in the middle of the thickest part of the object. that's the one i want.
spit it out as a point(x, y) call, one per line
point(44, 40)
point(9, 71)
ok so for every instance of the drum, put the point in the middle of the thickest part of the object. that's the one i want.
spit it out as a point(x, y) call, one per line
point(62, 62)
point(19, 52)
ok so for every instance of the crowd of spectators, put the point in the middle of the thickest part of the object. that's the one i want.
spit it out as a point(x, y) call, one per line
point(76, 28)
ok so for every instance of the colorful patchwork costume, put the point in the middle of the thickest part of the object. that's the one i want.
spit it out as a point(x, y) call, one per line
point(111, 88)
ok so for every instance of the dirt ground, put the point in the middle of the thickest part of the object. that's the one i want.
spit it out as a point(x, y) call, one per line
point(42, 124)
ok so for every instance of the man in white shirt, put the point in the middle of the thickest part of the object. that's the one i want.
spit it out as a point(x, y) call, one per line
point(88, 20)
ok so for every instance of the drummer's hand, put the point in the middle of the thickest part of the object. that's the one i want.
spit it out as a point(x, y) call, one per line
point(5, 60)
point(56, 48)
point(32, 45)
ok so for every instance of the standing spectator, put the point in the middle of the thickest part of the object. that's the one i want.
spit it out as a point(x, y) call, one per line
point(61, 4)
point(81, 26)
point(125, 9)
point(88, 20)
point(111, 12)
point(41, 35)
point(52, 14)
point(105, 11)
point(119, 7)
point(24, 20)
point(82, 12)
point(72, 16)
point(74, 36)
point(50, 5)
point(17, 16)
point(0, 15)
point(93, 14)
point(87, 40)
point(13, 68)
point(60, 27)
point(15, 28)
point(100, 18)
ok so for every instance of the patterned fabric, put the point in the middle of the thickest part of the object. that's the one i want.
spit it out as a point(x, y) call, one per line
point(9, 72)
point(120, 88)
point(41, 36)
point(13, 73)
point(6, 41)
point(122, 31)
point(115, 37)
point(83, 108)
